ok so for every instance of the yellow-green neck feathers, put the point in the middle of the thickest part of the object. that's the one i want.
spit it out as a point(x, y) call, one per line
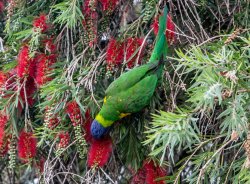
point(105, 123)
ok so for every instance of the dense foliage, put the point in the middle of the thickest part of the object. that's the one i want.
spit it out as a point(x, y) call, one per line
point(58, 57)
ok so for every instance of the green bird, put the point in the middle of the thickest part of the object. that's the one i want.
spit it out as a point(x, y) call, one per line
point(132, 91)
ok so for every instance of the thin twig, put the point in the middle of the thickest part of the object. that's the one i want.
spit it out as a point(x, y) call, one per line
point(202, 171)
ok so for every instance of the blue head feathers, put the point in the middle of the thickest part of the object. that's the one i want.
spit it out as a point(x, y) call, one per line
point(97, 130)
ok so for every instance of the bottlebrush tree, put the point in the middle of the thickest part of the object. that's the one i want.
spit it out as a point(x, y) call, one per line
point(58, 57)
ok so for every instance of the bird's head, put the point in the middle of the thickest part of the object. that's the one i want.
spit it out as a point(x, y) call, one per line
point(97, 130)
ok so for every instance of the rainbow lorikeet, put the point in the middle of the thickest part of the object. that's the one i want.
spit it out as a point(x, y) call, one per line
point(132, 91)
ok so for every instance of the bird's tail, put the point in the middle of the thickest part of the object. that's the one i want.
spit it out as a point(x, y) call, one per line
point(161, 46)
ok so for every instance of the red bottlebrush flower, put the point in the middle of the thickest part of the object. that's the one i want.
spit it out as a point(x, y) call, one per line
point(170, 34)
point(109, 5)
point(53, 123)
point(74, 113)
point(86, 126)
point(64, 140)
point(89, 6)
point(155, 25)
point(149, 173)
point(42, 67)
point(29, 88)
point(153, 172)
point(132, 46)
point(23, 61)
point(40, 23)
point(139, 177)
point(2, 135)
point(26, 65)
point(1, 6)
point(3, 122)
point(114, 52)
point(26, 146)
point(99, 152)
point(43, 64)
point(90, 21)
point(3, 78)
point(52, 59)
point(117, 50)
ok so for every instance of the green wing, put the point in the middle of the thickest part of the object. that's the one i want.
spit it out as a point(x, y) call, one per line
point(131, 100)
point(137, 97)
point(129, 79)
